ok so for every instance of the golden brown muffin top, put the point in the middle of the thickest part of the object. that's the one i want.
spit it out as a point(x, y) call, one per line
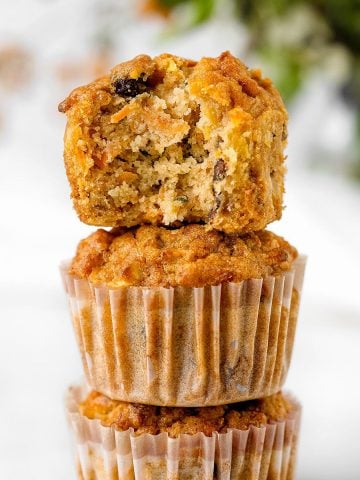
point(191, 256)
point(224, 82)
point(179, 420)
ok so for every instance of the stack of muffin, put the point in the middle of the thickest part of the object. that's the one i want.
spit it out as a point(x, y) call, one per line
point(185, 311)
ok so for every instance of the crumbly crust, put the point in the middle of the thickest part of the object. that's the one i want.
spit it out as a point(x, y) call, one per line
point(176, 421)
point(165, 140)
point(189, 256)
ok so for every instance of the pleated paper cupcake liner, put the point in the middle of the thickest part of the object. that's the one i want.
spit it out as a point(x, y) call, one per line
point(103, 453)
point(187, 346)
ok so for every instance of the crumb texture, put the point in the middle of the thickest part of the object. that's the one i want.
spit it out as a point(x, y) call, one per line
point(190, 256)
point(176, 421)
point(166, 140)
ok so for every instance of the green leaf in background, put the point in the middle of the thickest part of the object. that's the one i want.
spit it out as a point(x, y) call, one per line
point(203, 10)
point(200, 10)
point(285, 66)
point(343, 18)
point(173, 3)
point(259, 10)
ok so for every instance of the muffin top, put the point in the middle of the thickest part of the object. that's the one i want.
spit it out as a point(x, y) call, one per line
point(180, 420)
point(232, 84)
point(190, 256)
point(164, 140)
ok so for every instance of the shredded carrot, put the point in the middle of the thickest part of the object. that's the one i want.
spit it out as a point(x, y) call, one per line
point(124, 112)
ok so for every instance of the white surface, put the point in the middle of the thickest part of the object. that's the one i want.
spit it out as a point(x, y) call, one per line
point(38, 356)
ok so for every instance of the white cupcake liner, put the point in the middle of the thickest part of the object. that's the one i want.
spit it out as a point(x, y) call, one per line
point(103, 453)
point(187, 346)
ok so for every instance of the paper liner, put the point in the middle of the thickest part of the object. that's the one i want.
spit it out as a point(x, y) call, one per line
point(262, 453)
point(187, 346)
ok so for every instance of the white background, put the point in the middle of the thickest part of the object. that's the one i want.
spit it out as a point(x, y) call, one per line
point(38, 356)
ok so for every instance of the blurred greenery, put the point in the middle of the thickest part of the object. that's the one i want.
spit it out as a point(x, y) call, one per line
point(202, 10)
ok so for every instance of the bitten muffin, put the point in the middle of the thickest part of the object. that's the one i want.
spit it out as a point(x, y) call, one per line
point(190, 256)
point(166, 140)
point(184, 317)
point(254, 440)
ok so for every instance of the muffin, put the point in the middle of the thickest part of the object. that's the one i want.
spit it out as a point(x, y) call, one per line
point(184, 317)
point(166, 140)
point(117, 440)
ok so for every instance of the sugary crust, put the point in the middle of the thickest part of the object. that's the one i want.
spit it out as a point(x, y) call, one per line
point(150, 154)
point(189, 256)
point(177, 421)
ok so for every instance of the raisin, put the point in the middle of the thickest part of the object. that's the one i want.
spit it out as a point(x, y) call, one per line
point(230, 243)
point(129, 87)
point(186, 147)
point(219, 170)
point(215, 209)
point(253, 174)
